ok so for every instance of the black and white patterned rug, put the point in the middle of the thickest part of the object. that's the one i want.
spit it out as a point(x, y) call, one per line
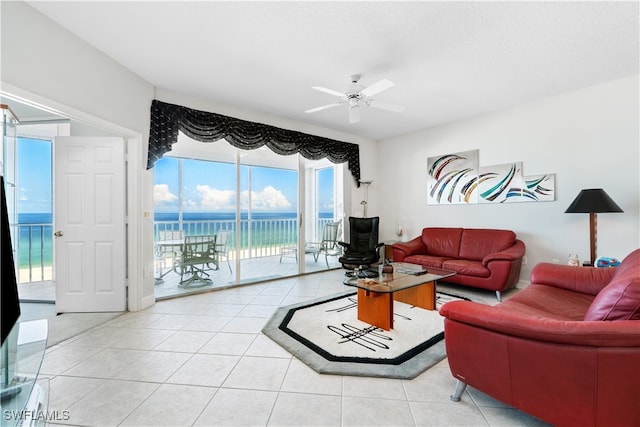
point(326, 335)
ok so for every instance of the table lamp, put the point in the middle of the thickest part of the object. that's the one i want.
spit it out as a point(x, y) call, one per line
point(593, 201)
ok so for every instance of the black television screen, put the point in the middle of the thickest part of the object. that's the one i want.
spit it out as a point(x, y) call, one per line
point(8, 284)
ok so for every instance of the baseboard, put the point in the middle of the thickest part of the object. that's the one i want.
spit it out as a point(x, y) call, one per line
point(148, 301)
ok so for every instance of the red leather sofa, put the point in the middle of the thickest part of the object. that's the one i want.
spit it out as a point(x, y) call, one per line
point(565, 349)
point(482, 258)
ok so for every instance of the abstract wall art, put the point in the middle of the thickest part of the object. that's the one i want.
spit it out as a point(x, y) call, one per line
point(457, 178)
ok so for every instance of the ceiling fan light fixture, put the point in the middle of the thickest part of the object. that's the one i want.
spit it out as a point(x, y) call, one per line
point(357, 94)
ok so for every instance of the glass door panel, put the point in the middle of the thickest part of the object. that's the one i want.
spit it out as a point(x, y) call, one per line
point(195, 197)
point(268, 215)
point(322, 216)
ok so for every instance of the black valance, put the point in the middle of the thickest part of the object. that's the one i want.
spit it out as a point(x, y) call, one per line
point(168, 119)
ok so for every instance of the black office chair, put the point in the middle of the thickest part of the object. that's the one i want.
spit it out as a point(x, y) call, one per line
point(363, 250)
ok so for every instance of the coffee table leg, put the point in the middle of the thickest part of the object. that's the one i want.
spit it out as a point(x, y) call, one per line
point(423, 296)
point(375, 308)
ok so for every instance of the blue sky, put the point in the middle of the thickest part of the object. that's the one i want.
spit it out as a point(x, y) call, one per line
point(34, 175)
point(211, 186)
point(208, 186)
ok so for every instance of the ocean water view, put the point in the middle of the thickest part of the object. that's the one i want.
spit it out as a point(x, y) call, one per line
point(35, 230)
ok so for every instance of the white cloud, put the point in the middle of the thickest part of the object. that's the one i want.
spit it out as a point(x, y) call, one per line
point(213, 199)
point(268, 199)
point(162, 195)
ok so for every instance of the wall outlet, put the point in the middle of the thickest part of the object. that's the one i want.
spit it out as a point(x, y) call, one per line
point(555, 261)
point(524, 260)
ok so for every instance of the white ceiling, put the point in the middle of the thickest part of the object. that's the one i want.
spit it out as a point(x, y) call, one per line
point(448, 60)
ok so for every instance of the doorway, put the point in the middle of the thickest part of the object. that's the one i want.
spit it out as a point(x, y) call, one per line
point(37, 121)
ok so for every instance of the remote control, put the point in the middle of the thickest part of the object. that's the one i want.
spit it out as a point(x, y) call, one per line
point(420, 273)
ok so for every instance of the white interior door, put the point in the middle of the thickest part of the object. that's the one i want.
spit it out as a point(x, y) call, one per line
point(89, 224)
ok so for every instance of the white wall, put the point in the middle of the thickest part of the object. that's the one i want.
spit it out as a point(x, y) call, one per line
point(589, 138)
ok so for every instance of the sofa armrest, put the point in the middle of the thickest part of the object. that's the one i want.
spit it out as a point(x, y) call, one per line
point(513, 253)
point(509, 320)
point(586, 280)
point(401, 250)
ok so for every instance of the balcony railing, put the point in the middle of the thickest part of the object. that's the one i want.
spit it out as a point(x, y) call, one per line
point(34, 252)
point(259, 238)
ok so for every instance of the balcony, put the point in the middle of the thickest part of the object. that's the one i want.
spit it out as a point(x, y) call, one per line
point(259, 252)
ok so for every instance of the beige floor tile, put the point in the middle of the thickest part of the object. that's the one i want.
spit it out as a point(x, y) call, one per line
point(135, 320)
point(204, 370)
point(510, 417)
point(258, 373)
point(447, 414)
point(172, 321)
point(59, 359)
point(228, 343)
point(302, 379)
point(266, 347)
point(223, 309)
point(294, 409)
point(434, 385)
point(65, 391)
point(230, 407)
point(141, 339)
point(106, 363)
point(154, 366)
point(255, 310)
point(110, 403)
point(185, 341)
point(383, 388)
point(358, 411)
point(208, 323)
point(245, 325)
point(171, 405)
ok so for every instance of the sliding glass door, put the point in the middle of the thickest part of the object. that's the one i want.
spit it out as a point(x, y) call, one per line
point(274, 209)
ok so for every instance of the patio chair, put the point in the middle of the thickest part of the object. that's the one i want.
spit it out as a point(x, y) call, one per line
point(222, 246)
point(198, 256)
point(168, 245)
point(328, 245)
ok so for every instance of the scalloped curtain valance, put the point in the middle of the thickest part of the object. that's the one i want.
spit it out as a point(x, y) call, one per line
point(168, 119)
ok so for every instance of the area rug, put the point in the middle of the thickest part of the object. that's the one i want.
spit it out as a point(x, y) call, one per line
point(326, 334)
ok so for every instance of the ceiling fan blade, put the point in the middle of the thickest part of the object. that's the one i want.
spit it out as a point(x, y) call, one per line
point(329, 91)
point(378, 87)
point(387, 106)
point(354, 114)
point(324, 107)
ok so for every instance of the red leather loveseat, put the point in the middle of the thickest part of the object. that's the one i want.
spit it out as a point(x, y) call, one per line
point(482, 258)
point(565, 349)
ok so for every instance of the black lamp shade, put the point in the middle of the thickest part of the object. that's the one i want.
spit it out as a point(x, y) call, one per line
point(593, 200)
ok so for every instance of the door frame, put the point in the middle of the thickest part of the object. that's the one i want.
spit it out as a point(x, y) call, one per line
point(134, 181)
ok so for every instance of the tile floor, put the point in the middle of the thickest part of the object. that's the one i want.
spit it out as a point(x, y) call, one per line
point(201, 360)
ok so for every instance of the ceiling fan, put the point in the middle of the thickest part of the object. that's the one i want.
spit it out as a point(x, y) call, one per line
point(357, 95)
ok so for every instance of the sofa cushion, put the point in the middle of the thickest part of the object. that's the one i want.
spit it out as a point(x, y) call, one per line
point(466, 267)
point(619, 300)
point(443, 242)
point(476, 243)
point(426, 260)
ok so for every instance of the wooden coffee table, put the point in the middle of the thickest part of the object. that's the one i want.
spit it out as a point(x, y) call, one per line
point(376, 296)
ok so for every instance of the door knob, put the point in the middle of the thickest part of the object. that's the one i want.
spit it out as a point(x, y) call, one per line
point(58, 233)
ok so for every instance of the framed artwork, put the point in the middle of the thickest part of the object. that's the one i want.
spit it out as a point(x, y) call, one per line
point(457, 178)
point(452, 178)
